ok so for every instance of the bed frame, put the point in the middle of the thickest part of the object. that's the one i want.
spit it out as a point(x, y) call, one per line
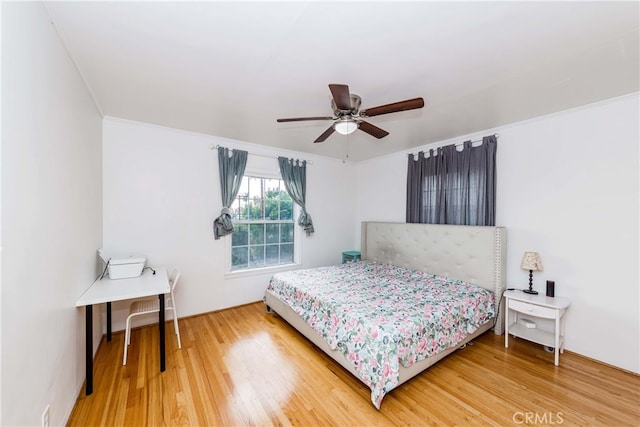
point(474, 254)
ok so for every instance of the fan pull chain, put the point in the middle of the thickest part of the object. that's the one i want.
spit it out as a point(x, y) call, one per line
point(346, 158)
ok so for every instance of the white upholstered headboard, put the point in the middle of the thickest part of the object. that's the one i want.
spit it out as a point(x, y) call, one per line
point(475, 254)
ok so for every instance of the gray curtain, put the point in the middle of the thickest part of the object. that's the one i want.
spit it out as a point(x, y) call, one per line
point(453, 187)
point(415, 176)
point(294, 175)
point(231, 170)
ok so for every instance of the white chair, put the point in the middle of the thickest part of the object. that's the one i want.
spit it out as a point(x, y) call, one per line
point(148, 306)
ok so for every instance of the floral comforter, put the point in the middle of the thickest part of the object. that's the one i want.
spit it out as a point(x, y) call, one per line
point(381, 316)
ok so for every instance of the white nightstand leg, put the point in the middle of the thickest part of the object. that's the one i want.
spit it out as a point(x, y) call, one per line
point(562, 331)
point(557, 340)
point(506, 325)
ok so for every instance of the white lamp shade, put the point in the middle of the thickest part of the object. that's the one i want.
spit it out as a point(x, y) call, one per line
point(531, 261)
point(345, 127)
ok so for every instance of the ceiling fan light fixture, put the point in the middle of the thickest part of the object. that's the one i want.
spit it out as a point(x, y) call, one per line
point(347, 117)
point(345, 127)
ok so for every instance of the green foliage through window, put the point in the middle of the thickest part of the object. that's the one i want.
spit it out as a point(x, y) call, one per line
point(262, 215)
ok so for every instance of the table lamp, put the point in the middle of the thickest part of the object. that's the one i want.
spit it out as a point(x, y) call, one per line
point(531, 261)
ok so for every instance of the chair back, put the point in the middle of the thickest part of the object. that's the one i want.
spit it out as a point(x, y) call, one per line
point(173, 279)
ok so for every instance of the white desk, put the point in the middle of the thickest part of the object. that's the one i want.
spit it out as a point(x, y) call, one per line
point(107, 291)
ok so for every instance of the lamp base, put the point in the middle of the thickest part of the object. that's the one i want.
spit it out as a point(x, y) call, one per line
point(530, 291)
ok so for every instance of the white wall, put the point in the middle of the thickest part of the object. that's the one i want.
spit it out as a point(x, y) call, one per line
point(0, 221)
point(162, 193)
point(51, 217)
point(567, 187)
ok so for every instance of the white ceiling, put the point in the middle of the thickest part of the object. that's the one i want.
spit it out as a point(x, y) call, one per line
point(231, 68)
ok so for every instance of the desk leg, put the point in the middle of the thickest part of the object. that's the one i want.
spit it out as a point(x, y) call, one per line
point(162, 334)
point(89, 349)
point(109, 321)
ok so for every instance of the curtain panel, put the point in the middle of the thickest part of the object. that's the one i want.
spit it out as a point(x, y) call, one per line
point(294, 175)
point(453, 187)
point(231, 170)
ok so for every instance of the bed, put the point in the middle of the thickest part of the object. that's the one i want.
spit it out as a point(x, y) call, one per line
point(462, 263)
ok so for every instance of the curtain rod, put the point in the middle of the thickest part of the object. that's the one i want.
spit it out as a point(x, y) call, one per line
point(215, 147)
point(459, 144)
point(475, 140)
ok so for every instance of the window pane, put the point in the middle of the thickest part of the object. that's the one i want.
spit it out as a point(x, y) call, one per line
point(235, 210)
point(255, 201)
point(240, 235)
point(256, 256)
point(239, 207)
point(239, 258)
point(273, 233)
point(272, 188)
point(242, 209)
point(257, 234)
point(272, 255)
point(255, 209)
point(286, 253)
point(286, 233)
point(255, 188)
point(286, 207)
point(244, 186)
point(271, 209)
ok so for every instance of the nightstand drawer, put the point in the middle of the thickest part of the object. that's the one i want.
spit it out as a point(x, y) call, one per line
point(532, 309)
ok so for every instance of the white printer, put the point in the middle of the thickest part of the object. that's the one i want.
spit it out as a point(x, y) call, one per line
point(122, 267)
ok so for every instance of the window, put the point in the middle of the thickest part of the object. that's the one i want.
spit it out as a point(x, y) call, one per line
point(262, 215)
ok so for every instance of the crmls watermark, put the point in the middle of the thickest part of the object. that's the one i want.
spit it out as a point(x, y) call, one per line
point(548, 418)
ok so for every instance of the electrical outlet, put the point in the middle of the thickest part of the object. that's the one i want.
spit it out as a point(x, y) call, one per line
point(45, 417)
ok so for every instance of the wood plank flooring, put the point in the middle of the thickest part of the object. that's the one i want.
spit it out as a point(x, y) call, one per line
point(244, 367)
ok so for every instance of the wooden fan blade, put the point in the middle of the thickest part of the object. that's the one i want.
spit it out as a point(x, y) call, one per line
point(410, 104)
point(325, 135)
point(372, 130)
point(302, 119)
point(341, 96)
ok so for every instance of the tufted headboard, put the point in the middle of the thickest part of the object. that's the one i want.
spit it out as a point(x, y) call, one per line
point(475, 254)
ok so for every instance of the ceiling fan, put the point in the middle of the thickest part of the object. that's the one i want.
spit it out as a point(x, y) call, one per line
point(347, 118)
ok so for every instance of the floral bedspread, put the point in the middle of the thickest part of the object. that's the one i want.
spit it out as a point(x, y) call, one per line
point(381, 316)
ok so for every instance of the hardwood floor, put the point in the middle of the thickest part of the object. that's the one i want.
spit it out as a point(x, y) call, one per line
point(242, 366)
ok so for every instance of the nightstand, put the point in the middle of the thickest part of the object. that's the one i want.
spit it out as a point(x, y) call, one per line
point(352, 256)
point(522, 310)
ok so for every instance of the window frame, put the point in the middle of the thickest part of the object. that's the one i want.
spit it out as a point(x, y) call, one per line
point(297, 240)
